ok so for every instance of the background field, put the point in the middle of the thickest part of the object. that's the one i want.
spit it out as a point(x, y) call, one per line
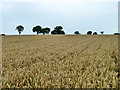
point(60, 61)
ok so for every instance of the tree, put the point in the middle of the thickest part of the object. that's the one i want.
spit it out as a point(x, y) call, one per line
point(20, 28)
point(116, 33)
point(2, 34)
point(47, 30)
point(89, 32)
point(58, 30)
point(95, 33)
point(53, 32)
point(76, 32)
point(37, 29)
point(43, 31)
point(62, 32)
point(102, 32)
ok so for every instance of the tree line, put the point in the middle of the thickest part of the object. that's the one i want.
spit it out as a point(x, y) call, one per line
point(57, 30)
point(38, 29)
point(88, 33)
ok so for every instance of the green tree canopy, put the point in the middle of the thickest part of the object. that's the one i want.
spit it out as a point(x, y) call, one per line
point(37, 29)
point(20, 28)
point(58, 30)
point(45, 30)
point(89, 32)
point(95, 33)
point(102, 32)
point(76, 32)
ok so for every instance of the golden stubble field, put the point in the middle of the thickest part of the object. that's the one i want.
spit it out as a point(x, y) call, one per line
point(70, 61)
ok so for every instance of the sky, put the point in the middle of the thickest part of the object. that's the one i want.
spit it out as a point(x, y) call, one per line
point(72, 15)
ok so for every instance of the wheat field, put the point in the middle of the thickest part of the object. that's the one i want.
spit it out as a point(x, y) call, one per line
point(60, 61)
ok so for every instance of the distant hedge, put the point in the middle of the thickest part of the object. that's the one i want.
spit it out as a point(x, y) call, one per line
point(116, 33)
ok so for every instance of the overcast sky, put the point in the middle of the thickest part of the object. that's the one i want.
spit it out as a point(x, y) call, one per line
point(81, 15)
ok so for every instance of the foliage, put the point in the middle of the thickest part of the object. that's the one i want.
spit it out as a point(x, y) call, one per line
point(58, 30)
point(20, 28)
point(76, 32)
point(89, 32)
point(53, 32)
point(116, 33)
point(45, 30)
point(102, 32)
point(37, 29)
point(95, 33)
point(3, 34)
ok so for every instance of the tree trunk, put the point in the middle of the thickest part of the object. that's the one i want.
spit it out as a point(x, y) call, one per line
point(37, 33)
point(19, 33)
